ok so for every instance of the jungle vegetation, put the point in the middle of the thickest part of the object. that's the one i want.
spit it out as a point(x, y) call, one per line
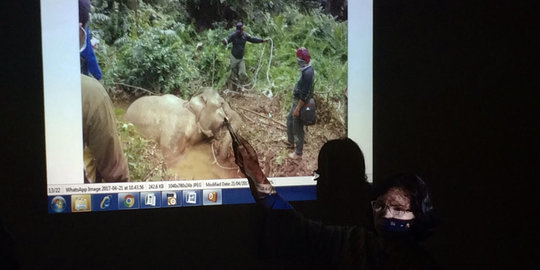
point(168, 46)
point(175, 46)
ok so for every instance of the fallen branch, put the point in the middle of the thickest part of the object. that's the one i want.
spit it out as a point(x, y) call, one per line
point(136, 87)
point(146, 178)
point(264, 122)
point(228, 91)
point(247, 118)
point(243, 86)
point(263, 116)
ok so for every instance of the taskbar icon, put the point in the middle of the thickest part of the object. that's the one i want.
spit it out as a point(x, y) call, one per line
point(104, 202)
point(128, 200)
point(151, 199)
point(192, 197)
point(212, 197)
point(58, 204)
point(171, 198)
point(81, 203)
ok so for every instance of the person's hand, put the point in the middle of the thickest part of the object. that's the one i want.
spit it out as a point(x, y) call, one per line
point(224, 42)
point(265, 40)
point(296, 113)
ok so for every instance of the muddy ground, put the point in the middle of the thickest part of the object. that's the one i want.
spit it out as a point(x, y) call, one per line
point(264, 127)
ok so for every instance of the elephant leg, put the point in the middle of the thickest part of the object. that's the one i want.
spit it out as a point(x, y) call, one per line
point(166, 151)
point(171, 148)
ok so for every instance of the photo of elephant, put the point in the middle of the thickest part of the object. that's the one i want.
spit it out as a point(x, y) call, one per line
point(176, 125)
point(167, 66)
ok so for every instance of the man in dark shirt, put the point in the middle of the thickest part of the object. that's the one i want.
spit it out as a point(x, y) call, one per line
point(302, 92)
point(238, 38)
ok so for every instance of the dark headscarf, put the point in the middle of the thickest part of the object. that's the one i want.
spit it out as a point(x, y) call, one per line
point(342, 190)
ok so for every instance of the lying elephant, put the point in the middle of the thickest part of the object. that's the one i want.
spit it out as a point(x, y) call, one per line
point(176, 124)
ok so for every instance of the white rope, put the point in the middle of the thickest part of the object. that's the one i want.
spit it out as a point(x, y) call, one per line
point(213, 67)
point(270, 61)
point(258, 68)
point(217, 163)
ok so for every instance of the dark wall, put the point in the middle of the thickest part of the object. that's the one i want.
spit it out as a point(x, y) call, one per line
point(451, 102)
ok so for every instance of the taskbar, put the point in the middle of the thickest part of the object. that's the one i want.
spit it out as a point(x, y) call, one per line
point(96, 202)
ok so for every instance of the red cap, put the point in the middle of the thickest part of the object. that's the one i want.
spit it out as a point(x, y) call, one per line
point(303, 54)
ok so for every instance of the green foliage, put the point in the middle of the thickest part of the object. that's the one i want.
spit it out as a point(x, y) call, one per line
point(109, 20)
point(158, 60)
point(326, 41)
point(212, 59)
point(160, 49)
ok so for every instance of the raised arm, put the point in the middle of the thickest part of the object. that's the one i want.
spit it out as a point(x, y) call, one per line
point(288, 232)
point(255, 39)
point(248, 162)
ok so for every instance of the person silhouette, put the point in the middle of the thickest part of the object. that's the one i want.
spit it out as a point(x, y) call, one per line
point(402, 217)
point(343, 192)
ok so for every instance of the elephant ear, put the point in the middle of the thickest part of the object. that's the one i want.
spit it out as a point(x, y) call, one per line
point(196, 105)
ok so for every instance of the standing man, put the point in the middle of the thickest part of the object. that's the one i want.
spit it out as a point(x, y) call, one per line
point(302, 92)
point(238, 65)
point(104, 159)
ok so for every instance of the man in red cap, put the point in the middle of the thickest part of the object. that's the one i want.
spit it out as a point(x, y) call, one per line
point(238, 38)
point(302, 92)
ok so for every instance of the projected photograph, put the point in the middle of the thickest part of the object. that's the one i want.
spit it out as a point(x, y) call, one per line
point(155, 84)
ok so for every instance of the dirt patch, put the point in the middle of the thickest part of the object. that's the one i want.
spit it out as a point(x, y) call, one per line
point(265, 128)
